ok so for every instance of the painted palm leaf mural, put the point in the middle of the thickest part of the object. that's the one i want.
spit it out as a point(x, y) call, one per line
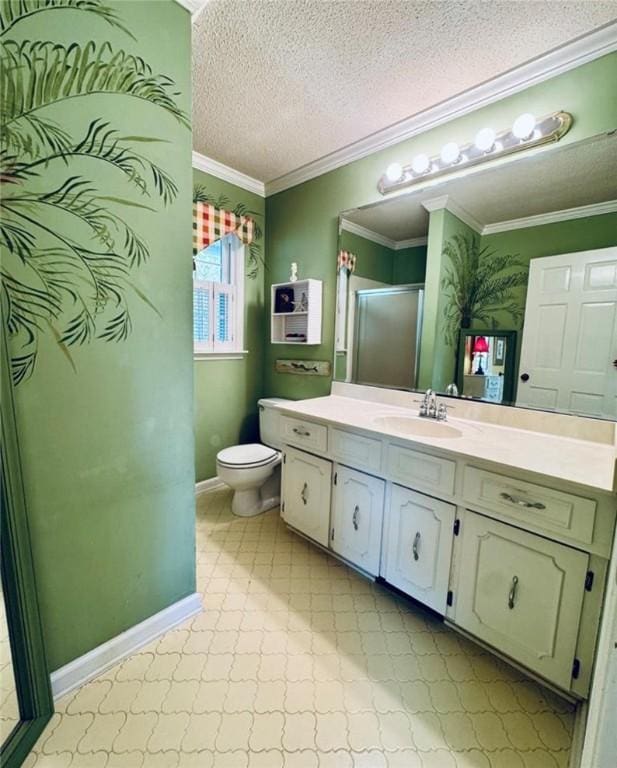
point(479, 284)
point(68, 254)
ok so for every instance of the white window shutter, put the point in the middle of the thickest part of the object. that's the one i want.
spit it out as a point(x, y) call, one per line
point(202, 316)
point(224, 315)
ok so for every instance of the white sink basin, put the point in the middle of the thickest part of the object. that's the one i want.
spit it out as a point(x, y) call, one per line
point(408, 425)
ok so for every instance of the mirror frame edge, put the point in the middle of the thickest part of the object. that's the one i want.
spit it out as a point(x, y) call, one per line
point(30, 668)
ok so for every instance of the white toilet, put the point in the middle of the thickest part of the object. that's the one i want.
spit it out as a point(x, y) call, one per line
point(253, 471)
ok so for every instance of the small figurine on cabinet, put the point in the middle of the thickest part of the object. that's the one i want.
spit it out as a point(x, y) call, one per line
point(293, 275)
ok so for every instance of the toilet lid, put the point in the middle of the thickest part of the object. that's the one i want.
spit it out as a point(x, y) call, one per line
point(253, 455)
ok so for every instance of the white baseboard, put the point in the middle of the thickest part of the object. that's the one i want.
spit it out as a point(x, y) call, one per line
point(83, 669)
point(212, 484)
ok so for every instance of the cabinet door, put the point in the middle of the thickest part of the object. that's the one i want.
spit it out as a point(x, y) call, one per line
point(357, 516)
point(522, 594)
point(306, 494)
point(419, 546)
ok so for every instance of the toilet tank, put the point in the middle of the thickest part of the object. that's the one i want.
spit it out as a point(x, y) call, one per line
point(269, 418)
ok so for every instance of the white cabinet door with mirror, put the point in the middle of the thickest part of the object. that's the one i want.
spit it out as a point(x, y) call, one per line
point(419, 546)
point(522, 594)
point(306, 494)
point(357, 515)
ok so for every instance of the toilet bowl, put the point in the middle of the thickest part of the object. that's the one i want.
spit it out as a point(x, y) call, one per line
point(253, 471)
point(247, 470)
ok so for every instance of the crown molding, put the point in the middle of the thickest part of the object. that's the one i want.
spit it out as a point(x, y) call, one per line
point(367, 234)
point(569, 56)
point(194, 7)
point(581, 212)
point(446, 202)
point(413, 242)
point(224, 172)
point(375, 237)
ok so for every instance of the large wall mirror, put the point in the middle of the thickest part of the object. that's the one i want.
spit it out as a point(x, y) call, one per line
point(498, 285)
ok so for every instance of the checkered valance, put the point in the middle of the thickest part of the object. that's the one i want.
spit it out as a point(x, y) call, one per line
point(347, 260)
point(210, 224)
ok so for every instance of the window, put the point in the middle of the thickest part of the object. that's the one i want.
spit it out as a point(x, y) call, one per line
point(218, 301)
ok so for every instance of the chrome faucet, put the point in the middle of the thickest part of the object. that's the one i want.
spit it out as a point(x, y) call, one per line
point(430, 409)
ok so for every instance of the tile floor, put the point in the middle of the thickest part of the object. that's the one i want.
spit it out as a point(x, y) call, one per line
point(299, 662)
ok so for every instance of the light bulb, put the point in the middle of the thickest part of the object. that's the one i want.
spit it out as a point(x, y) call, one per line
point(485, 139)
point(394, 172)
point(523, 126)
point(420, 164)
point(450, 153)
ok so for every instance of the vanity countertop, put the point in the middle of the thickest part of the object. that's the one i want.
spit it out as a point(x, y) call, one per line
point(577, 461)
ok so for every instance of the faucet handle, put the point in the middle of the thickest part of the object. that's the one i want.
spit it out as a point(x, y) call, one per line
point(442, 412)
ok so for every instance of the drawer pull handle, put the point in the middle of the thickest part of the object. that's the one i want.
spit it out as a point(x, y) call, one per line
point(416, 544)
point(512, 594)
point(304, 494)
point(301, 432)
point(354, 519)
point(522, 502)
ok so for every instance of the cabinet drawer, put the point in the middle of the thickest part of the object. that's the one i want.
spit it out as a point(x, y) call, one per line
point(543, 508)
point(305, 434)
point(357, 450)
point(421, 470)
point(522, 594)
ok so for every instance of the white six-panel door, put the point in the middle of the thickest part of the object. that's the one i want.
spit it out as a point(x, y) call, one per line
point(570, 334)
point(419, 546)
point(306, 494)
point(357, 515)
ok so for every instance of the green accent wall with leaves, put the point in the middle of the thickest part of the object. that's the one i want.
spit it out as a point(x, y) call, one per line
point(227, 391)
point(303, 220)
point(97, 283)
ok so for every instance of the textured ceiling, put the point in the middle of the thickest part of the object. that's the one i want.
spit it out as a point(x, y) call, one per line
point(555, 180)
point(280, 83)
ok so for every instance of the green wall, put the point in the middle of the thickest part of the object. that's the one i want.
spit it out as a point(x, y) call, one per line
point(227, 391)
point(409, 265)
point(374, 261)
point(437, 358)
point(108, 447)
point(303, 220)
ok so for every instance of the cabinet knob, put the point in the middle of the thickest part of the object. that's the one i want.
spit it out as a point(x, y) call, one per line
point(524, 377)
point(304, 493)
point(512, 593)
point(354, 518)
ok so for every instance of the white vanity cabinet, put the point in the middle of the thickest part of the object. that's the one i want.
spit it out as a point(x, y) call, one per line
point(357, 516)
point(522, 594)
point(515, 559)
point(306, 488)
point(418, 547)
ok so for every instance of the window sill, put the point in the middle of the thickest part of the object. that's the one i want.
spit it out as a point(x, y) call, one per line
point(239, 355)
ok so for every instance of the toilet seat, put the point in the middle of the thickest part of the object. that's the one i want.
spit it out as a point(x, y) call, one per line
point(247, 456)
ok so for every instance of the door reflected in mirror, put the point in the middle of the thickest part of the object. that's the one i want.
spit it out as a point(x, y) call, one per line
point(9, 706)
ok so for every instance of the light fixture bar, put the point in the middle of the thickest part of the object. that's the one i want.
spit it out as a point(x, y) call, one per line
point(526, 132)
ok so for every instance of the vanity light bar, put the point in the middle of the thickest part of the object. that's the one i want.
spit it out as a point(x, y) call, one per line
point(526, 132)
